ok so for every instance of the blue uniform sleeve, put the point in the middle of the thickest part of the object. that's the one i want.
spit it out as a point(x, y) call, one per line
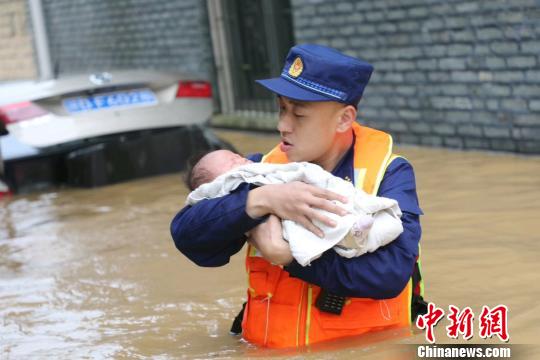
point(384, 273)
point(211, 231)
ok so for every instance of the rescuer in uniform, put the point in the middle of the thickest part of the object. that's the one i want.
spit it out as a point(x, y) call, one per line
point(290, 305)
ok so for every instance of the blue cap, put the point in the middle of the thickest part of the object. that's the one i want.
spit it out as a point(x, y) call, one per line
point(319, 73)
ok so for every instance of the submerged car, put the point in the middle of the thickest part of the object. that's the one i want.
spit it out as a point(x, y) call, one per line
point(101, 128)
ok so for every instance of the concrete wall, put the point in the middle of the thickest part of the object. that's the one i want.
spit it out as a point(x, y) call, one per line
point(100, 35)
point(16, 48)
point(459, 73)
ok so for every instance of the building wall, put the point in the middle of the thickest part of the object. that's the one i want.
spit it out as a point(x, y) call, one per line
point(99, 35)
point(16, 48)
point(460, 73)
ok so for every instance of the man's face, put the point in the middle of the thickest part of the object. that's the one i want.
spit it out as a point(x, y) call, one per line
point(307, 129)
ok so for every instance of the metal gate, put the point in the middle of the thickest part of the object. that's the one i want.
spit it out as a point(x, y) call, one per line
point(255, 36)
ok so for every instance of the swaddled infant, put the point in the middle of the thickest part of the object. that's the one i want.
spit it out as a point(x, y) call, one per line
point(372, 221)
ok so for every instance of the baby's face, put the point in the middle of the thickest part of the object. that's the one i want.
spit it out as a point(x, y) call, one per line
point(221, 161)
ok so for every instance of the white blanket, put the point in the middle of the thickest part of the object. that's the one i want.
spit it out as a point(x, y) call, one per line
point(306, 246)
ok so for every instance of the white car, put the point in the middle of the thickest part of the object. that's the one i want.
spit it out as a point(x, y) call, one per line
point(60, 116)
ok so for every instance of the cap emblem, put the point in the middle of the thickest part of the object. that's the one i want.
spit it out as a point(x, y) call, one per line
point(296, 68)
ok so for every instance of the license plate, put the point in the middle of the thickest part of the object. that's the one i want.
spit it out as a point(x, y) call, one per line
point(120, 99)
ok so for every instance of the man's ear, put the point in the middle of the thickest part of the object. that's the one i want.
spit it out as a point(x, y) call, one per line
point(347, 117)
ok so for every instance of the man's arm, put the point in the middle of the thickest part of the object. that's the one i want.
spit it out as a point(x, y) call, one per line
point(211, 231)
point(385, 272)
point(268, 239)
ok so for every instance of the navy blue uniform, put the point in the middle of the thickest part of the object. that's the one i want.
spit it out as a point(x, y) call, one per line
point(211, 231)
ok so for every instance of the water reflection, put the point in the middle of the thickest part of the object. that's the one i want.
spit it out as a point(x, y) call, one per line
point(94, 273)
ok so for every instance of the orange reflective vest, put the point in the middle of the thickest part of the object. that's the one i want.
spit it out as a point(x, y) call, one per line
point(280, 310)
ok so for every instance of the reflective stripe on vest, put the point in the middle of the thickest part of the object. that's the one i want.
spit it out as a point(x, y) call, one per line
point(281, 310)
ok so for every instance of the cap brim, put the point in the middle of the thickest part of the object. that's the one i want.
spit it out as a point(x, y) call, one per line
point(292, 91)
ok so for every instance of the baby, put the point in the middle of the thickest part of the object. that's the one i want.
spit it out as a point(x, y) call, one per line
point(371, 221)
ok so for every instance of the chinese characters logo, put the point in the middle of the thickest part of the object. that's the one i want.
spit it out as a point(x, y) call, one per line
point(492, 321)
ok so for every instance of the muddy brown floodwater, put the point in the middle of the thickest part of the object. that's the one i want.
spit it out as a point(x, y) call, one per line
point(94, 273)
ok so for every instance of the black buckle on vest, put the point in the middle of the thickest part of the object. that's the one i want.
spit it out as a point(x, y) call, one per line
point(418, 307)
point(330, 303)
point(236, 328)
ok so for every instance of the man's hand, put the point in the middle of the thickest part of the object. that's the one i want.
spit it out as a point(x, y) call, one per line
point(268, 239)
point(296, 201)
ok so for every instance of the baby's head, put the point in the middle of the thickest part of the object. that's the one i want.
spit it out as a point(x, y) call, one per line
point(213, 164)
